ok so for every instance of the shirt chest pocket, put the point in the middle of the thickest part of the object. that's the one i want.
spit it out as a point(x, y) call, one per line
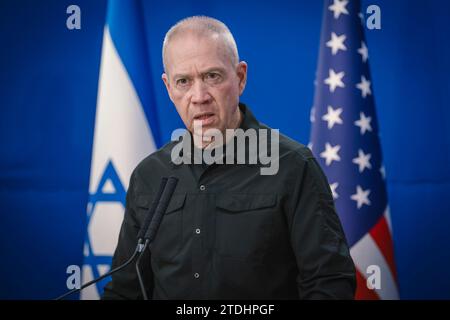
point(167, 242)
point(244, 225)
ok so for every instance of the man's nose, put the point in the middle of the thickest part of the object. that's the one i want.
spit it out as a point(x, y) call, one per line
point(200, 93)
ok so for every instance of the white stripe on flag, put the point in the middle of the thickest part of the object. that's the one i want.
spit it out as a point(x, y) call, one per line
point(365, 253)
point(121, 129)
point(387, 215)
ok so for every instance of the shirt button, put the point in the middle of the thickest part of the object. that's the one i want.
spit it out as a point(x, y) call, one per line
point(202, 188)
point(197, 231)
point(196, 275)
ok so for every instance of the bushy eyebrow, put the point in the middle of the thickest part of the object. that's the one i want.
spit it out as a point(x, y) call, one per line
point(180, 76)
point(210, 70)
point(215, 69)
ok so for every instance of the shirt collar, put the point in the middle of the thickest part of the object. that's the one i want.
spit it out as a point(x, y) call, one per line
point(248, 122)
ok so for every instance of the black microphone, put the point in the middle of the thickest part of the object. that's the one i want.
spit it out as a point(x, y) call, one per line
point(139, 246)
point(151, 212)
point(154, 225)
point(161, 209)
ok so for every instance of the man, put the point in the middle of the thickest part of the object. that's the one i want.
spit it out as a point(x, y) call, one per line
point(230, 232)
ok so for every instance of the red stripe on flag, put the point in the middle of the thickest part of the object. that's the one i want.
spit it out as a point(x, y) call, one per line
point(362, 292)
point(381, 235)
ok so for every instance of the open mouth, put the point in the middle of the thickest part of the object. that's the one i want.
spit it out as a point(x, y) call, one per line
point(205, 118)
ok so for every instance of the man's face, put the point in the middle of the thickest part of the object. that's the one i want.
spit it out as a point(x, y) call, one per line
point(203, 83)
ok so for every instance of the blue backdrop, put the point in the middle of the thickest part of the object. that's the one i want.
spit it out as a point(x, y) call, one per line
point(48, 92)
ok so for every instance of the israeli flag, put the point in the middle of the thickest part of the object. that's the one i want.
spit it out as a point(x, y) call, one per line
point(126, 131)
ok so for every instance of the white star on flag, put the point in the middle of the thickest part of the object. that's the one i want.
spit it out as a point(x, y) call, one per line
point(363, 51)
point(332, 116)
point(330, 153)
point(338, 7)
point(333, 188)
point(312, 118)
point(362, 160)
point(363, 123)
point(383, 172)
point(361, 16)
point(336, 43)
point(361, 197)
point(364, 86)
point(334, 80)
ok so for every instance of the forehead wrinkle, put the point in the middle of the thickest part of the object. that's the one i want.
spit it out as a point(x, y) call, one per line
point(188, 58)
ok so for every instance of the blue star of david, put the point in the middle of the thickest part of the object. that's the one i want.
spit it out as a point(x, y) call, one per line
point(94, 261)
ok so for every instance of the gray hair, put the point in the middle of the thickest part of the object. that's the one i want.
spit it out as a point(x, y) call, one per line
point(202, 25)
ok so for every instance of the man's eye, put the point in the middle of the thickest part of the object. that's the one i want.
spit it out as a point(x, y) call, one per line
point(211, 76)
point(182, 82)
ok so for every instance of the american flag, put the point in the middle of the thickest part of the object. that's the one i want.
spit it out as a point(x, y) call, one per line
point(345, 139)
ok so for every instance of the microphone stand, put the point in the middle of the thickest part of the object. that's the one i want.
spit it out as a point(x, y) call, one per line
point(140, 247)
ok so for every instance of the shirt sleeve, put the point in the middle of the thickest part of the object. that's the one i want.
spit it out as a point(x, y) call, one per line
point(124, 284)
point(326, 269)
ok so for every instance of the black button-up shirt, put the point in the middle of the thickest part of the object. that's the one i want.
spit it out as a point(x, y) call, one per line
point(232, 233)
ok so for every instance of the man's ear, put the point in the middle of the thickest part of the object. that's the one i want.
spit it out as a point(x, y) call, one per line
point(165, 79)
point(242, 75)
